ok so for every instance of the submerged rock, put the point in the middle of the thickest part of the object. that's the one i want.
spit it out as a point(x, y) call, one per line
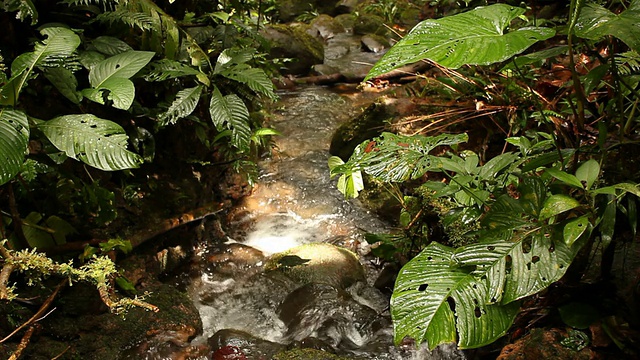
point(240, 343)
point(318, 263)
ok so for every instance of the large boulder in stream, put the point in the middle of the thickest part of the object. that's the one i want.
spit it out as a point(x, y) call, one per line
point(318, 263)
point(293, 42)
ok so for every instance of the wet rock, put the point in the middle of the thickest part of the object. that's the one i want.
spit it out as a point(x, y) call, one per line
point(371, 123)
point(374, 43)
point(171, 258)
point(288, 41)
point(318, 263)
point(326, 26)
point(348, 21)
point(369, 24)
point(322, 69)
point(543, 344)
point(252, 347)
point(329, 312)
point(233, 258)
point(387, 278)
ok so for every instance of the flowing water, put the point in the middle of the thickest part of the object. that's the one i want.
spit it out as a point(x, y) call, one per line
point(295, 202)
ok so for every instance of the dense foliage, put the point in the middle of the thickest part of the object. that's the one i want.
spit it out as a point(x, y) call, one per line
point(515, 221)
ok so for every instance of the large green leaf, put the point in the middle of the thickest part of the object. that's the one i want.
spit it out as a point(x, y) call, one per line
point(596, 22)
point(14, 138)
point(97, 142)
point(433, 298)
point(109, 78)
point(229, 112)
point(254, 78)
point(476, 37)
point(65, 81)
point(60, 43)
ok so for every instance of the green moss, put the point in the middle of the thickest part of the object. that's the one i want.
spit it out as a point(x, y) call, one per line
point(307, 354)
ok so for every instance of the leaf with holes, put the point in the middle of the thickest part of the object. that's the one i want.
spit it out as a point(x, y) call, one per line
point(434, 298)
point(575, 228)
point(595, 22)
point(14, 139)
point(476, 37)
point(96, 142)
point(229, 112)
point(557, 204)
point(588, 173)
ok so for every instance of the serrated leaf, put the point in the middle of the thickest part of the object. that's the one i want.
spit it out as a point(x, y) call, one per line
point(565, 177)
point(476, 37)
point(574, 229)
point(96, 142)
point(557, 204)
point(121, 66)
point(14, 140)
point(229, 112)
point(185, 102)
point(254, 78)
point(588, 173)
point(65, 81)
point(596, 22)
point(432, 299)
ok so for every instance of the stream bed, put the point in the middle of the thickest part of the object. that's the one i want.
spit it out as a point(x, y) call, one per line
point(294, 203)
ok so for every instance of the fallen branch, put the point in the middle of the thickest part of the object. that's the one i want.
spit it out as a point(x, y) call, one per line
point(23, 344)
point(39, 315)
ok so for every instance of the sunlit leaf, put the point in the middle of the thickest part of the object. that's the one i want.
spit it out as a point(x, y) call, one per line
point(595, 22)
point(557, 204)
point(97, 142)
point(574, 229)
point(476, 37)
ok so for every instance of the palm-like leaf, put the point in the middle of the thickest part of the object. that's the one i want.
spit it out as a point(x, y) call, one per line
point(229, 112)
point(476, 37)
point(184, 104)
point(97, 142)
point(14, 137)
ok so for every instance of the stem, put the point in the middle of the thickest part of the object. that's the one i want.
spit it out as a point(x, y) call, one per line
point(17, 220)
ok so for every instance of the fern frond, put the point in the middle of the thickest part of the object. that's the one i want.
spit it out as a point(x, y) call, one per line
point(628, 63)
point(184, 104)
point(254, 78)
point(122, 15)
point(229, 112)
point(104, 4)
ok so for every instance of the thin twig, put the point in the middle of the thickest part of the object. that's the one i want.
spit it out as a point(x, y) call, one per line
point(39, 314)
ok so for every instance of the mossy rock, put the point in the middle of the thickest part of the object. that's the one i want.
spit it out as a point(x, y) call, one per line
point(326, 26)
point(289, 10)
point(369, 24)
point(318, 263)
point(288, 41)
point(307, 354)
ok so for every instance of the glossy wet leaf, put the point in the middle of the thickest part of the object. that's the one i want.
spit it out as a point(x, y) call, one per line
point(557, 204)
point(595, 22)
point(14, 137)
point(588, 173)
point(436, 302)
point(574, 229)
point(96, 142)
point(476, 37)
